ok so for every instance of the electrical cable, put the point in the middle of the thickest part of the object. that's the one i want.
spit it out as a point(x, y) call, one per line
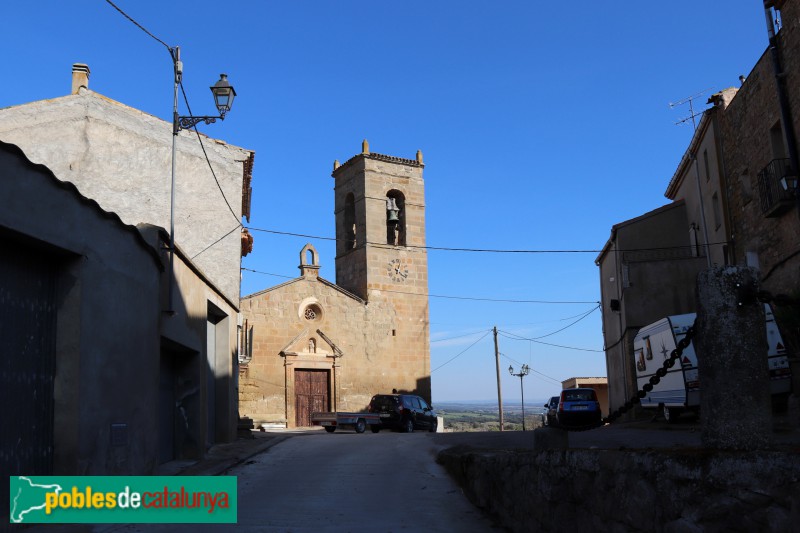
point(461, 352)
point(199, 138)
point(458, 337)
point(483, 250)
point(208, 161)
point(513, 337)
point(569, 325)
point(267, 273)
point(451, 297)
point(215, 242)
point(138, 25)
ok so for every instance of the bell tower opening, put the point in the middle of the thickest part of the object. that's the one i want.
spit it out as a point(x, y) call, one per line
point(350, 241)
point(395, 218)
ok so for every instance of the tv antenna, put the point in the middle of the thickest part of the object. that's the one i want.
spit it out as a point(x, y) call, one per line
point(691, 116)
point(689, 100)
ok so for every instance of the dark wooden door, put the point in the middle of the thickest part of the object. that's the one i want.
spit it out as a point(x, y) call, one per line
point(311, 394)
point(27, 365)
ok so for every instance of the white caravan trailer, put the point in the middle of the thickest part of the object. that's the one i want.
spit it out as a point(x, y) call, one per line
point(679, 389)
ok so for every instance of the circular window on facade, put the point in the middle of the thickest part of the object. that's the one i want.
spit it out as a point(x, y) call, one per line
point(312, 313)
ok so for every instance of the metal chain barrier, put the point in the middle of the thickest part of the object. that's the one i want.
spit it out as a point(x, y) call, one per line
point(746, 295)
point(654, 380)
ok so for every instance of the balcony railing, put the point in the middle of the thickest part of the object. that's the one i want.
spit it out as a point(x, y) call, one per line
point(774, 199)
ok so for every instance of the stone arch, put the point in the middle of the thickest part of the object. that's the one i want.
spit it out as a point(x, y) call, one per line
point(309, 252)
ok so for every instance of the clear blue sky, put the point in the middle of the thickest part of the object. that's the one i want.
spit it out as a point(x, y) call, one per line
point(542, 124)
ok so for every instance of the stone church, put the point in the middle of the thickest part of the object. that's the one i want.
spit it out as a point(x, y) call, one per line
point(318, 345)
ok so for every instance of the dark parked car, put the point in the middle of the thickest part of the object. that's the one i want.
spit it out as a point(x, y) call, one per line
point(549, 417)
point(578, 408)
point(405, 412)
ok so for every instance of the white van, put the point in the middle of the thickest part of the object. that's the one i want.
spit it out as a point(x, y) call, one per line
point(679, 389)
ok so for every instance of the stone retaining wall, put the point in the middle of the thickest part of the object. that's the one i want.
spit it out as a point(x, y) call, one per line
point(623, 490)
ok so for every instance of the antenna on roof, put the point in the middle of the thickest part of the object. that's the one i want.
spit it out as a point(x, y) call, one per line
point(693, 155)
point(692, 114)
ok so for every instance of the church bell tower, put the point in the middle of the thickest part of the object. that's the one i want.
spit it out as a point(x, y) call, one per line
point(381, 255)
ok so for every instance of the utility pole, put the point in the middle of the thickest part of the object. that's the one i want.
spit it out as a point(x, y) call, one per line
point(499, 390)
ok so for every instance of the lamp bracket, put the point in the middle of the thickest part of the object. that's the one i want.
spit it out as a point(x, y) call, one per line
point(183, 123)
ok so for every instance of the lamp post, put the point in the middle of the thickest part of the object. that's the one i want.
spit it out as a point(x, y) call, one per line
point(521, 374)
point(223, 99)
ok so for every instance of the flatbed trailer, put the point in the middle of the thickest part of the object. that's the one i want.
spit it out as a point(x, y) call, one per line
point(358, 421)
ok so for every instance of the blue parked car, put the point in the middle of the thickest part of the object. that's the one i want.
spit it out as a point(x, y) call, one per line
point(549, 417)
point(578, 408)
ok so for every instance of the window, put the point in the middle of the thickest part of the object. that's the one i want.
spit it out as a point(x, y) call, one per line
point(776, 140)
point(717, 211)
point(705, 163)
point(349, 229)
point(312, 313)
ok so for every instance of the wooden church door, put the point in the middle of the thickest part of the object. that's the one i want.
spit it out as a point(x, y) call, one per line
point(311, 394)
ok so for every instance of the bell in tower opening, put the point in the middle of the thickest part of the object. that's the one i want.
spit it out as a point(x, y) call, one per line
point(393, 223)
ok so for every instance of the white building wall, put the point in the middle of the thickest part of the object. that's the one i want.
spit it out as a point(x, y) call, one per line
point(121, 157)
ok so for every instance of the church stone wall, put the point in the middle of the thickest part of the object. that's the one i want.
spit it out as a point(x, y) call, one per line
point(363, 332)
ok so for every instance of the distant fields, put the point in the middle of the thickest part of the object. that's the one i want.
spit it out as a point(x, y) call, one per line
point(479, 416)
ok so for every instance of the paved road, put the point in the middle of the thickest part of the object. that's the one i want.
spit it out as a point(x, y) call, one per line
point(386, 482)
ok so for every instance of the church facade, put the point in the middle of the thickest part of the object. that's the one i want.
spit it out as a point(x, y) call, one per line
point(318, 345)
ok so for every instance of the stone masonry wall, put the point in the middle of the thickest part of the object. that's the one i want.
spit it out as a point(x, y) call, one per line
point(622, 490)
point(747, 149)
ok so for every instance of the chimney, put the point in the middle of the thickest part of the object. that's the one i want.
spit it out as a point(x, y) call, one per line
point(80, 77)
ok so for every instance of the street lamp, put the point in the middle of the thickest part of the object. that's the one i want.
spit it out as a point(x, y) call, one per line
point(521, 374)
point(224, 94)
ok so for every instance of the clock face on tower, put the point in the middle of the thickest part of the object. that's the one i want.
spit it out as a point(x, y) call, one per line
point(397, 270)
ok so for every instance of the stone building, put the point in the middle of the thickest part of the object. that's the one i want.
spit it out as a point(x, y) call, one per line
point(321, 346)
point(120, 158)
point(95, 378)
point(759, 139)
point(647, 271)
point(736, 210)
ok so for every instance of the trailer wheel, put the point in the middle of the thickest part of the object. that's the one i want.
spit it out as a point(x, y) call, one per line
point(361, 425)
point(330, 429)
point(670, 414)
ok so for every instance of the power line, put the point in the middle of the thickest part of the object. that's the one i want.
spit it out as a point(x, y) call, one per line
point(139, 25)
point(569, 325)
point(452, 297)
point(461, 352)
point(208, 161)
point(267, 273)
point(495, 299)
point(532, 370)
point(189, 109)
point(215, 242)
point(487, 250)
point(457, 337)
point(519, 338)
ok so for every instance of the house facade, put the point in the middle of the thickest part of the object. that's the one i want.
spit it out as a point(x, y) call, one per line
point(102, 381)
point(759, 129)
point(319, 345)
point(119, 158)
point(647, 270)
point(735, 209)
point(122, 157)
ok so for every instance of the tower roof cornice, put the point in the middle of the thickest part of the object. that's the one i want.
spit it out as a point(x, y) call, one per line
point(377, 157)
